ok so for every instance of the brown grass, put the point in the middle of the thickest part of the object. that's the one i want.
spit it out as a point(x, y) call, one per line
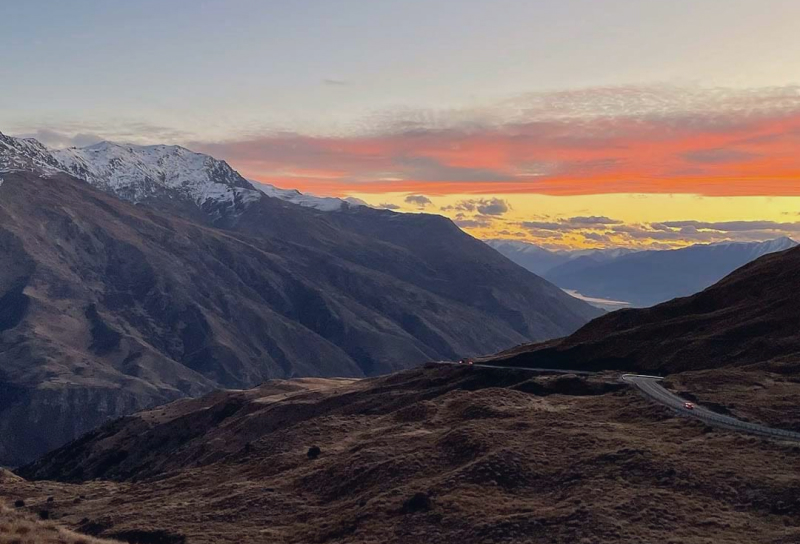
point(17, 527)
point(435, 455)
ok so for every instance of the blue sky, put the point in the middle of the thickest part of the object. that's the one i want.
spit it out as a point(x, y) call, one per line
point(210, 69)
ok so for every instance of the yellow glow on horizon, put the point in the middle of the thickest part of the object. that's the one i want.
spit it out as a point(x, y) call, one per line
point(629, 209)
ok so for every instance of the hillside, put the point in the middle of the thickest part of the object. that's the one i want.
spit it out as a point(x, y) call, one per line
point(17, 526)
point(412, 456)
point(437, 454)
point(748, 317)
point(108, 308)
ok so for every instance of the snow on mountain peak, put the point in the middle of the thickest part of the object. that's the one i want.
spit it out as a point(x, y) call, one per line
point(136, 173)
point(323, 203)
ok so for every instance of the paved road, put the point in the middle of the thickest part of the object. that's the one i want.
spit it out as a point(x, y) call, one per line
point(542, 370)
point(650, 387)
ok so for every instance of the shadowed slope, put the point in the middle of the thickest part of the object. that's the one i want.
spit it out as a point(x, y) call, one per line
point(107, 308)
point(750, 316)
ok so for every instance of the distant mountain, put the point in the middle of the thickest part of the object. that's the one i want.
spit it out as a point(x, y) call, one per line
point(200, 281)
point(750, 317)
point(648, 277)
point(540, 260)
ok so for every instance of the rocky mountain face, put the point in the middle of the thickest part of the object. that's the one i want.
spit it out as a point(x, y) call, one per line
point(25, 154)
point(107, 306)
point(748, 318)
point(136, 173)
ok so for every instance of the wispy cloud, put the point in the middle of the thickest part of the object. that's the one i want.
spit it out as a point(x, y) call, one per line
point(714, 142)
point(605, 231)
point(83, 134)
point(334, 82)
point(571, 223)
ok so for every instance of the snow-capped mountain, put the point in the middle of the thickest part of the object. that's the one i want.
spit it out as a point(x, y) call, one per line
point(323, 203)
point(25, 154)
point(136, 173)
point(754, 250)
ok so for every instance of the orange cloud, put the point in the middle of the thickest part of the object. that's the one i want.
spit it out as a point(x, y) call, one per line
point(741, 150)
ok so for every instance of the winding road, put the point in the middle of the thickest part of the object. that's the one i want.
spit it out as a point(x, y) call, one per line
point(650, 388)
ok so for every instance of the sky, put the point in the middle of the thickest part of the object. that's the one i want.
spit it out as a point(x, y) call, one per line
point(566, 123)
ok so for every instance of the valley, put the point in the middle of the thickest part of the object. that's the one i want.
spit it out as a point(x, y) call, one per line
point(133, 288)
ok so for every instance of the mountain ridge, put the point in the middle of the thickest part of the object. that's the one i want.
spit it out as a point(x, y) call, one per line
point(747, 318)
point(141, 172)
point(640, 278)
point(111, 306)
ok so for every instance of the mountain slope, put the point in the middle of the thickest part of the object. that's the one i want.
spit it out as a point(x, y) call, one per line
point(108, 307)
point(748, 317)
point(529, 256)
point(649, 277)
point(412, 457)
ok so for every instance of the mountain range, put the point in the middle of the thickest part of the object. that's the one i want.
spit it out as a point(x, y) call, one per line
point(639, 278)
point(132, 276)
point(411, 456)
point(749, 317)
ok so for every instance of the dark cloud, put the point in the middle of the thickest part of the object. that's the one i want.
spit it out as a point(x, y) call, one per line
point(541, 225)
point(484, 206)
point(475, 223)
point(418, 200)
point(333, 82)
point(388, 206)
point(572, 223)
point(593, 220)
point(597, 237)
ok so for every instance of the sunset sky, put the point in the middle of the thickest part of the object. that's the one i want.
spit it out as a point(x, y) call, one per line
point(567, 123)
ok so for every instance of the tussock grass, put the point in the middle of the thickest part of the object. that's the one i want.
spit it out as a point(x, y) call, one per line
point(18, 527)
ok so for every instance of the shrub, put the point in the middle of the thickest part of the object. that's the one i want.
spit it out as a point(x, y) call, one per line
point(420, 502)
